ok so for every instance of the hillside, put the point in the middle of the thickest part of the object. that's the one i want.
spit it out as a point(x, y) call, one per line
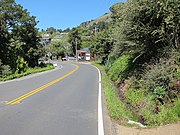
point(104, 18)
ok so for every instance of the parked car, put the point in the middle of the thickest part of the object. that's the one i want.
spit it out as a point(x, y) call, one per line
point(88, 56)
point(64, 59)
point(71, 58)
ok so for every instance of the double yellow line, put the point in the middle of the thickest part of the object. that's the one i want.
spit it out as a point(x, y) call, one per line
point(23, 97)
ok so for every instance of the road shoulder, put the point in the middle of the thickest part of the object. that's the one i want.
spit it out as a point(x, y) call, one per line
point(109, 128)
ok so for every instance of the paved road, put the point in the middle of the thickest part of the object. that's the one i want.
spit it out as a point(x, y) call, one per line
point(67, 106)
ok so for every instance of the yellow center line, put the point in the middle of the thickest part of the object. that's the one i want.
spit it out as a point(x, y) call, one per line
point(23, 97)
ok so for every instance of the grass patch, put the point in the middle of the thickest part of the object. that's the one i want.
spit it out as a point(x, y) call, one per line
point(118, 70)
point(150, 109)
point(117, 109)
point(167, 114)
point(29, 71)
point(136, 97)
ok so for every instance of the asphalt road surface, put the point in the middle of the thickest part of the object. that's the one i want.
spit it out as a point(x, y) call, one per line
point(58, 102)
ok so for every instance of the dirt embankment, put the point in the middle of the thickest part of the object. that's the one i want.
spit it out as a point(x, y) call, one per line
point(171, 129)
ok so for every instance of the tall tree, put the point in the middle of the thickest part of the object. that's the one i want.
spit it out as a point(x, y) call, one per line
point(18, 34)
point(75, 38)
point(56, 48)
point(146, 27)
point(51, 30)
point(102, 44)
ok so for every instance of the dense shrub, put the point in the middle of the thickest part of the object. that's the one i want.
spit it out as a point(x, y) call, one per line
point(5, 71)
point(155, 95)
point(27, 72)
point(160, 79)
point(159, 74)
point(22, 65)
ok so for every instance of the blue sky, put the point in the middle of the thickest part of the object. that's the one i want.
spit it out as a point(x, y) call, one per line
point(62, 14)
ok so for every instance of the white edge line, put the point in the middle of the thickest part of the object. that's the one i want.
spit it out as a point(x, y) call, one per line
point(100, 113)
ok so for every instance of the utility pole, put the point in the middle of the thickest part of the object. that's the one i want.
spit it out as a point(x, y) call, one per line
point(76, 51)
point(95, 30)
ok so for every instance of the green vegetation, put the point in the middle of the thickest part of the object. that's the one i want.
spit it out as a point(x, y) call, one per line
point(140, 53)
point(74, 38)
point(56, 48)
point(155, 96)
point(150, 112)
point(20, 47)
point(117, 72)
point(19, 41)
point(138, 44)
point(166, 115)
point(19, 36)
point(152, 102)
point(9, 76)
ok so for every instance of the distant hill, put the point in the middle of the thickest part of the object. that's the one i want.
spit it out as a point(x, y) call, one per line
point(105, 18)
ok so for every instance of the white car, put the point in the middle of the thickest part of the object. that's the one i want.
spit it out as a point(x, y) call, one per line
point(64, 59)
point(88, 56)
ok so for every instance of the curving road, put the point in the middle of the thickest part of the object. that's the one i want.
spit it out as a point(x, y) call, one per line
point(58, 102)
